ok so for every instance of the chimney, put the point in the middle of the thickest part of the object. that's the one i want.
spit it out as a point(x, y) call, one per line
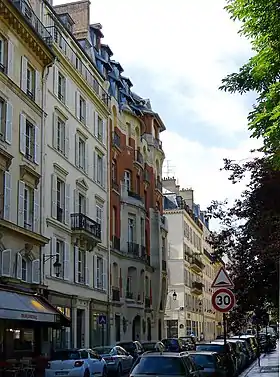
point(187, 195)
point(170, 185)
point(79, 11)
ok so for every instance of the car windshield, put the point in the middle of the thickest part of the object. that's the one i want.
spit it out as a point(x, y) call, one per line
point(129, 346)
point(170, 342)
point(148, 346)
point(104, 350)
point(205, 361)
point(210, 347)
point(165, 366)
point(66, 355)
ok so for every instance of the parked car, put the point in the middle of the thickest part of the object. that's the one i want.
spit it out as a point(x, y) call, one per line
point(76, 362)
point(190, 341)
point(153, 346)
point(226, 352)
point(118, 360)
point(209, 363)
point(164, 364)
point(239, 353)
point(174, 345)
point(252, 343)
point(133, 348)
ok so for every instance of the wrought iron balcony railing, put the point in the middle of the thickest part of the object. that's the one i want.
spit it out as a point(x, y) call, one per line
point(134, 195)
point(79, 221)
point(133, 249)
point(197, 285)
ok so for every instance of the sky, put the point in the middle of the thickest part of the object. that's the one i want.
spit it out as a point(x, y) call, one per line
point(176, 53)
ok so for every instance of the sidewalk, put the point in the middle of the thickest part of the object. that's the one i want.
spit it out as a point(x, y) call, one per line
point(269, 366)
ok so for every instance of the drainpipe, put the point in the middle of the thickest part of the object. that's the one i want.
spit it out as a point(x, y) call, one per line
point(108, 231)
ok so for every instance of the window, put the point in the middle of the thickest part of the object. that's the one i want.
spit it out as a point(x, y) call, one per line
point(60, 199)
point(24, 270)
point(99, 164)
point(2, 54)
point(60, 136)
point(82, 204)
point(29, 140)
point(127, 180)
point(2, 116)
point(142, 232)
point(28, 207)
point(100, 129)
point(61, 91)
point(99, 217)
point(129, 285)
point(81, 266)
point(131, 226)
point(138, 185)
point(82, 115)
point(30, 81)
point(114, 171)
point(99, 272)
point(60, 255)
point(82, 154)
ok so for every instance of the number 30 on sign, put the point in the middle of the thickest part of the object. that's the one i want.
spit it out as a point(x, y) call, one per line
point(223, 300)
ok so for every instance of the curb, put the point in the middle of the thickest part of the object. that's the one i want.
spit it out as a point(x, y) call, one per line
point(251, 367)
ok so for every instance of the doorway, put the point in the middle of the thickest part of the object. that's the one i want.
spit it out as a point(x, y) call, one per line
point(117, 327)
point(136, 328)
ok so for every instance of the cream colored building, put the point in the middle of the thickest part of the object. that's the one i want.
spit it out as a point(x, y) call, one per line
point(24, 57)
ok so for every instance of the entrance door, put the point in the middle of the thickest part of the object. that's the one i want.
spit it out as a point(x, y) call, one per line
point(80, 328)
point(136, 328)
point(117, 327)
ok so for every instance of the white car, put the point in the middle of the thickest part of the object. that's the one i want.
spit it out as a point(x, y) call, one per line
point(76, 363)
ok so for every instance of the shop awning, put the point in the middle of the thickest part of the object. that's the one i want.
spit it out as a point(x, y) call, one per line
point(19, 306)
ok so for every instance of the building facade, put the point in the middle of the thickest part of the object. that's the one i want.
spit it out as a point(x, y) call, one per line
point(191, 270)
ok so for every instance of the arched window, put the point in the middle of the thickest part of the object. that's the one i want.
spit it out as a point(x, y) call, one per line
point(24, 266)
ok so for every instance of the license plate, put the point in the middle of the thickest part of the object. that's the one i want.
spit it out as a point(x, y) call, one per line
point(60, 373)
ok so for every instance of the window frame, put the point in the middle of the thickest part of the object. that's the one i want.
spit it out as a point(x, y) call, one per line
point(61, 87)
point(82, 153)
point(29, 140)
point(60, 199)
point(60, 136)
point(83, 110)
point(28, 207)
point(30, 81)
point(60, 254)
point(81, 266)
point(127, 179)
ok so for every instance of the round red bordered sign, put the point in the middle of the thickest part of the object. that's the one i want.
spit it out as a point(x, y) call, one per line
point(223, 300)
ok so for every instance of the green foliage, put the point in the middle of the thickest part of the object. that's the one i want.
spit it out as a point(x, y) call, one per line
point(249, 235)
point(260, 20)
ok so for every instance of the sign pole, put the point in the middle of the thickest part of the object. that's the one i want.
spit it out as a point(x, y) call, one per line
point(225, 328)
point(102, 334)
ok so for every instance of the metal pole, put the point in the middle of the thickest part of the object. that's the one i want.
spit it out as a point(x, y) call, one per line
point(225, 329)
point(102, 334)
point(258, 349)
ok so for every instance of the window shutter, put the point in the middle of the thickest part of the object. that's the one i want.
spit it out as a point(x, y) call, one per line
point(94, 166)
point(10, 66)
point(96, 124)
point(67, 204)
point(38, 87)
point(53, 252)
point(95, 271)
point(23, 83)
point(19, 266)
point(21, 186)
point(78, 105)
point(36, 271)
point(9, 123)
point(89, 116)
point(86, 268)
point(86, 157)
point(76, 256)
point(67, 93)
point(7, 195)
point(67, 147)
point(36, 214)
point(54, 196)
point(22, 122)
point(55, 80)
point(104, 275)
point(6, 262)
point(54, 138)
point(104, 172)
point(66, 261)
point(76, 201)
point(105, 133)
point(37, 146)
point(77, 150)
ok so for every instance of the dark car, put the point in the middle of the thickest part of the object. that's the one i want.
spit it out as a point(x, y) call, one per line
point(133, 348)
point(225, 351)
point(190, 341)
point(174, 345)
point(164, 364)
point(153, 346)
point(209, 363)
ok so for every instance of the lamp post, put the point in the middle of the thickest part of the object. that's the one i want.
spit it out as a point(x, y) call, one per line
point(174, 296)
point(56, 265)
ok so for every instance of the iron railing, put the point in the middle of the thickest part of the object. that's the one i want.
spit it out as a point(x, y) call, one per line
point(133, 249)
point(134, 195)
point(79, 221)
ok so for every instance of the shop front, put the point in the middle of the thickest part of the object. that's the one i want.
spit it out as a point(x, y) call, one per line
point(25, 320)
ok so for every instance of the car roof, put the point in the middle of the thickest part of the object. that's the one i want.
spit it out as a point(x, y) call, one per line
point(209, 343)
point(150, 341)
point(170, 354)
point(202, 353)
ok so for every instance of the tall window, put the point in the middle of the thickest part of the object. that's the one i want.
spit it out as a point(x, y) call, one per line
point(24, 269)
point(29, 140)
point(60, 136)
point(131, 227)
point(100, 129)
point(61, 87)
point(30, 81)
point(99, 163)
point(99, 272)
point(82, 204)
point(60, 255)
point(138, 185)
point(82, 154)
point(28, 207)
point(81, 266)
point(127, 180)
point(2, 116)
point(60, 199)
point(82, 114)
point(2, 54)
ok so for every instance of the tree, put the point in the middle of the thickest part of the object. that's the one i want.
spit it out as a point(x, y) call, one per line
point(260, 20)
point(250, 234)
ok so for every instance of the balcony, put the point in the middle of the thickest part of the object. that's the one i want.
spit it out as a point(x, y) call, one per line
point(116, 243)
point(86, 232)
point(116, 140)
point(152, 141)
point(147, 302)
point(158, 184)
point(196, 265)
point(163, 264)
point(133, 249)
point(130, 197)
point(138, 159)
point(134, 195)
point(197, 287)
point(157, 143)
point(66, 50)
point(115, 294)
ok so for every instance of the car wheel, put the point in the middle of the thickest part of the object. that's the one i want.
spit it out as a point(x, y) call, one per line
point(119, 372)
point(87, 374)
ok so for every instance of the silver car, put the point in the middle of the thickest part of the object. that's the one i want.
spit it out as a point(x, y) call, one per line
point(117, 359)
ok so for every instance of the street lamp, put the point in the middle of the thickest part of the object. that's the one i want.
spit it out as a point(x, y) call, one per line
point(174, 296)
point(56, 265)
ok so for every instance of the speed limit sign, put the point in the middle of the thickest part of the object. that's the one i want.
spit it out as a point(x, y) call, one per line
point(223, 300)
